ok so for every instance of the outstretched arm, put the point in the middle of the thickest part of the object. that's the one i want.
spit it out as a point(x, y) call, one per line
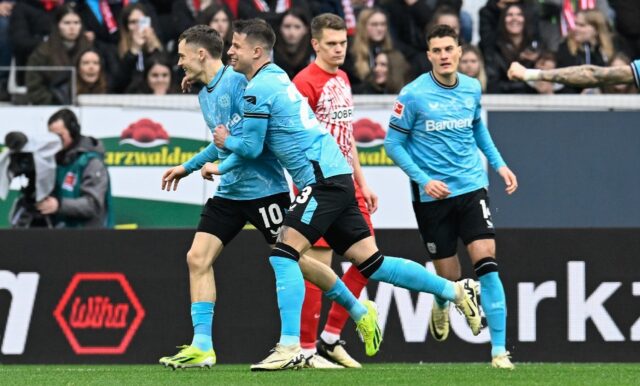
point(576, 76)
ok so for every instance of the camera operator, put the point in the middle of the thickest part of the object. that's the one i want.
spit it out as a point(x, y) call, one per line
point(82, 195)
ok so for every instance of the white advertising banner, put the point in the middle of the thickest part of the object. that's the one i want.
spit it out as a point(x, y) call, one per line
point(141, 143)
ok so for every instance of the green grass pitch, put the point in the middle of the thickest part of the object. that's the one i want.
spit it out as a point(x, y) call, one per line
point(470, 374)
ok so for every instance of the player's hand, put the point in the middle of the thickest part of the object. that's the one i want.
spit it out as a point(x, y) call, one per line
point(370, 198)
point(209, 170)
point(49, 205)
point(185, 85)
point(516, 71)
point(172, 177)
point(437, 189)
point(509, 179)
point(220, 134)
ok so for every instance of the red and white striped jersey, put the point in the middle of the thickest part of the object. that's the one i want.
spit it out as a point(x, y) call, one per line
point(329, 96)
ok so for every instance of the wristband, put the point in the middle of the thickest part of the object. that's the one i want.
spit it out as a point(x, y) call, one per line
point(531, 75)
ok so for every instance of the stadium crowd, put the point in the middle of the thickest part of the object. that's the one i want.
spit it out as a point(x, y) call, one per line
point(129, 46)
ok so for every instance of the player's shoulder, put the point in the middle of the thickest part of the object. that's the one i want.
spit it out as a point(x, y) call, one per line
point(467, 82)
point(416, 87)
point(304, 75)
point(635, 70)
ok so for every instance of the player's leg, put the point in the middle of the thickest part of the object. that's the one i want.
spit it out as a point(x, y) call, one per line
point(219, 224)
point(477, 232)
point(413, 276)
point(330, 344)
point(311, 309)
point(267, 215)
point(313, 210)
point(437, 224)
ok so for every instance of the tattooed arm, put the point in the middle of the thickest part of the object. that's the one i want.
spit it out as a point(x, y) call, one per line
point(575, 76)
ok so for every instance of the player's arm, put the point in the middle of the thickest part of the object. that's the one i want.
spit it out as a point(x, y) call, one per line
point(251, 142)
point(489, 149)
point(576, 76)
point(172, 176)
point(400, 123)
point(369, 196)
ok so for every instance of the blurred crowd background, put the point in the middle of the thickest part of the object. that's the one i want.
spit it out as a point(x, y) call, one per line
point(128, 46)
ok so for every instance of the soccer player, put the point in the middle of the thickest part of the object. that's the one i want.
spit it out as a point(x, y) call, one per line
point(276, 115)
point(328, 92)
point(256, 191)
point(434, 135)
point(580, 76)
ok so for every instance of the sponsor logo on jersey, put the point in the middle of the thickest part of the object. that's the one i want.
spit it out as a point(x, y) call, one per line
point(341, 115)
point(433, 125)
point(398, 109)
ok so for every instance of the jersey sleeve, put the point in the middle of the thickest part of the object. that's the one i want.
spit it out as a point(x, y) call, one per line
point(208, 154)
point(403, 114)
point(257, 107)
point(400, 125)
point(483, 138)
point(635, 69)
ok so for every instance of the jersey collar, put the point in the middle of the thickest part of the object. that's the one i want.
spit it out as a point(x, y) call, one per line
point(216, 79)
point(435, 80)
point(260, 69)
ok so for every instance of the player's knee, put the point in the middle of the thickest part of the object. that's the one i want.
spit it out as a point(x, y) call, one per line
point(482, 248)
point(197, 261)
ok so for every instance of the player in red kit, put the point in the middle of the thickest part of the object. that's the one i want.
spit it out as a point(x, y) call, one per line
point(328, 92)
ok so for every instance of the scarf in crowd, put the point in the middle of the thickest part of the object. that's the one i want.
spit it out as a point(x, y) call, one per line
point(349, 17)
point(569, 8)
point(51, 4)
point(281, 6)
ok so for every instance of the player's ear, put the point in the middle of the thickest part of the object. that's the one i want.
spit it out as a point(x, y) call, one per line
point(315, 44)
point(201, 53)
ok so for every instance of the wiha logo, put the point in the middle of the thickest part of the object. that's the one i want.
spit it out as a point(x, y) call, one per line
point(369, 136)
point(461, 123)
point(147, 143)
point(99, 313)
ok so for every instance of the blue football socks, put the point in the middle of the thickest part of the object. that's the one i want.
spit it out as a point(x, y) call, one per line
point(202, 319)
point(290, 294)
point(495, 310)
point(413, 276)
point(341, 295)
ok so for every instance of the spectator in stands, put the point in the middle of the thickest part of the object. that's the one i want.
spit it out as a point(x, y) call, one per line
point(158, 77)
point(138, 41)
point(490, 21)
point(590, 42)
point(5, 46)
point(319, 7)
point(620, 59)
point(407, 22)
point(626, 22)
point(372, 36)
point(390, 73)
point(30, 24)
point(472, 64)
point(448, 16)
point(186, 12)
point(82, 198)
point(515, 42)
point(90, 75)
point(271, 10)
point(63, 47)
point(292, 51)
point(219, 17)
